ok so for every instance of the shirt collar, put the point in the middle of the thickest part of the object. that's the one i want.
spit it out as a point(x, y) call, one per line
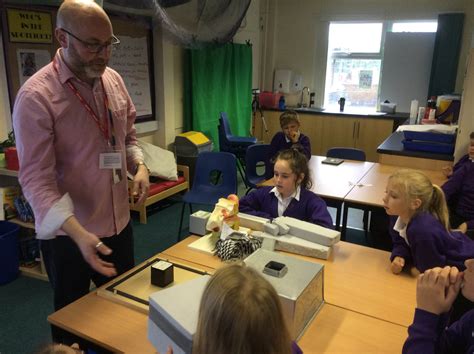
point(401, 228)
point(295, 195)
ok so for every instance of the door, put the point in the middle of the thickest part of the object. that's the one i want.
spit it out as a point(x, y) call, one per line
point(370, 133)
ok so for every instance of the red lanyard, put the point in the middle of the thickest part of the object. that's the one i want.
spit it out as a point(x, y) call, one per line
point(104, 128)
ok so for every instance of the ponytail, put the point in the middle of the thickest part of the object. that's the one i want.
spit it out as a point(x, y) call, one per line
point(438, 207)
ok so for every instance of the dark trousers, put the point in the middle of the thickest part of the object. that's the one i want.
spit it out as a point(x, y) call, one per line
point(70, 274)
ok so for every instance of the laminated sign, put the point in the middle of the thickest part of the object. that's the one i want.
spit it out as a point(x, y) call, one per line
point(29, 26)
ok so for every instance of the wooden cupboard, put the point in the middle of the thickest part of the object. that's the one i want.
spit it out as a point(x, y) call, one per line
point(328, 130)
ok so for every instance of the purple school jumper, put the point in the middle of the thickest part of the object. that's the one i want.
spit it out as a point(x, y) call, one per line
point(428, 334)
point(431, 245)
point(460, 186)
point(279, 143)
point(309, 208)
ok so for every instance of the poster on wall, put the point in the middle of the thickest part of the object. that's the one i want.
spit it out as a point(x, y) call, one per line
point(30, 61)
point(29, 26)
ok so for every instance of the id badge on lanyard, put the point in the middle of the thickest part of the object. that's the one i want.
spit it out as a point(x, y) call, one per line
point(112, 160)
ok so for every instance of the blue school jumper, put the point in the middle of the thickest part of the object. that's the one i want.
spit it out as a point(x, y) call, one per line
point(279, 142)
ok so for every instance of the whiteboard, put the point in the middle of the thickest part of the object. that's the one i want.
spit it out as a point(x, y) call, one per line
point(130, 60)
point(406, 68)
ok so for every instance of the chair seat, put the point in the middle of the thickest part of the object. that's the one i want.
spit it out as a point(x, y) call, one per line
point(160, 186)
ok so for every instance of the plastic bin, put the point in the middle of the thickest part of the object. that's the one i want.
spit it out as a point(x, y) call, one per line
point(430, 137)
point(435, 148)
point(9, 258)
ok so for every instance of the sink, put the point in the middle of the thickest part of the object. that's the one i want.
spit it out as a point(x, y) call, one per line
point(309, 109)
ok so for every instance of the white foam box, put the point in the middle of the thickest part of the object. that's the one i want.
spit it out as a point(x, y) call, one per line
point(300, 289)
point(198, 221)
point(293, 244)
point(173, 315)
point(252, 222)
point(310, 231)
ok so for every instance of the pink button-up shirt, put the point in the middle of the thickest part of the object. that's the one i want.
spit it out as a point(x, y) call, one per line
point(59, 145)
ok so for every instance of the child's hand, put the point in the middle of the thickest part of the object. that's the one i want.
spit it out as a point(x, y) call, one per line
point(397, 265)
point(447, 171)
point(294, 136)
point(437, 289)
point(463, 227)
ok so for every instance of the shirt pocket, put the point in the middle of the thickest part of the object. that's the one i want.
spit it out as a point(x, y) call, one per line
point(119, 108)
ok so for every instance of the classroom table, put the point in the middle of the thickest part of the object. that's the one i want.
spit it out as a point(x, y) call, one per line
point(356, 278)
point(335, 329)
point(370, 190)
point(333, 183)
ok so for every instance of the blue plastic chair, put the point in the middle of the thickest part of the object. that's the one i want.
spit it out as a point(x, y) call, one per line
point(351, 154)
point(236, 145)
point(205, 189)
point(346, 153)
point(257, 156)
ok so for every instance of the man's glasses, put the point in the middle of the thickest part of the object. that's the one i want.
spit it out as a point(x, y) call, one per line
point(95, 47)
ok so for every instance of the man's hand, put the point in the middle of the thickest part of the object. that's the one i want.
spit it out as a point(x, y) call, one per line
point(437, 289)
point(397, 265)
point(141, 184)
point(90, 247)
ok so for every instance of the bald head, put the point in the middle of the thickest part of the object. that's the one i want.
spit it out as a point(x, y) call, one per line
point(81, 14)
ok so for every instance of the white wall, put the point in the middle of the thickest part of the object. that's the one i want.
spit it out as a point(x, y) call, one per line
point(299, 40)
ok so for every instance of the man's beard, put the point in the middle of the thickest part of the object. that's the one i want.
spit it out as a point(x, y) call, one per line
point(91, 69)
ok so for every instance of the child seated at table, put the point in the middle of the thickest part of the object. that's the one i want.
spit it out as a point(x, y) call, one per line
point(436, 291)
point(290, 136)
point(291, 195)
point(424, 239)
point(240, 312)
point(459, 191)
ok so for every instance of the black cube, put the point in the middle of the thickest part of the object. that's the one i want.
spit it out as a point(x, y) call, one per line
point(162, 273)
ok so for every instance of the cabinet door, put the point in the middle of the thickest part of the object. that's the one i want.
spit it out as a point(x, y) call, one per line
point(337, 132)
point(370, 133)
point(312, 127)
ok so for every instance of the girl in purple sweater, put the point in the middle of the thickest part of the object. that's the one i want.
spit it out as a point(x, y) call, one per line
point(436, 291)
point(424, 239)
point(290, 196)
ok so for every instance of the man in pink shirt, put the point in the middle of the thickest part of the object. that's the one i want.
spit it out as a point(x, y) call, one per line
point(74, 126)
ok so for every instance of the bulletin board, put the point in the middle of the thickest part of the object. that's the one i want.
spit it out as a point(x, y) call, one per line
point(27, 52)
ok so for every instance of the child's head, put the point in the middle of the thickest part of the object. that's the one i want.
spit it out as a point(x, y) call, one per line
point(470, 149)
point(240, 312)
point(468, 280)
point(290, 171)
point(409, 192)
point(289, 122)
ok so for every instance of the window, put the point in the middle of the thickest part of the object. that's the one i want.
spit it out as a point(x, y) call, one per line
point(354, 61)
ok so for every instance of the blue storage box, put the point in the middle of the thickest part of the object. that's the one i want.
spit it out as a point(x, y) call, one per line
point(430, 137)
point(9, 261)
point(426, 146)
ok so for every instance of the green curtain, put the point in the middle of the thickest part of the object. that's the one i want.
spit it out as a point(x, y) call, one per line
point(218, 79)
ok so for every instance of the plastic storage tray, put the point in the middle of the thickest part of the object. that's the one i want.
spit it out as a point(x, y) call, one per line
point(430, 137)
point(436, 148)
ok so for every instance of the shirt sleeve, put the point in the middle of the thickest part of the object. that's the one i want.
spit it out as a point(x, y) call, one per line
point(400, 246)
point(453, 185)
point(425, 333)
point(34, 133)
point(274, 147)
point(426, 255)
point(253, 204)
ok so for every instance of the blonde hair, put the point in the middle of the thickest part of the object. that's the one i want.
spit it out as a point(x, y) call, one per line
point(240, 312)
point(414, 184)
point(287, 117)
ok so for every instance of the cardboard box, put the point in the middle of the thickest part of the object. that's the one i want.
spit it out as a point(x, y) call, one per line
point(300, 289)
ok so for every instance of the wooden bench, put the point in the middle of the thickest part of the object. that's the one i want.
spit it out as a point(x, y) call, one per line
point(161, 190)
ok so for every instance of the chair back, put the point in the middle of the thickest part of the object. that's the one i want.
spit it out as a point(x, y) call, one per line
point(215, 176)
point(346, 153)
point(255, 156)
point(224, 132)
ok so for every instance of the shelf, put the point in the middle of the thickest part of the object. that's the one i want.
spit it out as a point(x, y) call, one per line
point(34, 272)
point(17, 221)
point(7, 172)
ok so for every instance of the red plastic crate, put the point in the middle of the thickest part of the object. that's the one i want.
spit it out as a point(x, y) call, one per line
point(269, 99)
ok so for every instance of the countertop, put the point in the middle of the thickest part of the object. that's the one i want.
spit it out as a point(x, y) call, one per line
point(359, 113)
point(393, 146)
